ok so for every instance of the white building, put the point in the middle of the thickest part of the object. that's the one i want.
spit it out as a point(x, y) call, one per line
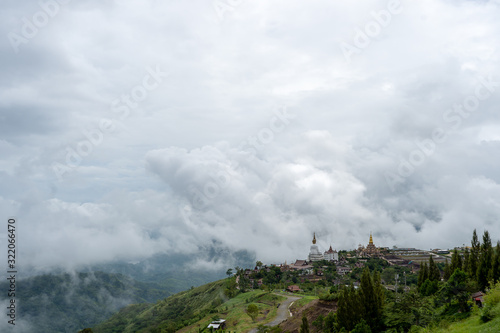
point(217, 324)
point(314, 254)
point(331, 255)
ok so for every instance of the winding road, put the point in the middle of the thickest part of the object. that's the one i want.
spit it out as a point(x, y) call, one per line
point(283, 312)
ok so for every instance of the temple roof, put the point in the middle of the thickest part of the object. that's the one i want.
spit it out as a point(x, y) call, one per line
point(330, 250)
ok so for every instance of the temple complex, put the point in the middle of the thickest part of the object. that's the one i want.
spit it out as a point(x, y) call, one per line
point(370, 250)
point(316, 255)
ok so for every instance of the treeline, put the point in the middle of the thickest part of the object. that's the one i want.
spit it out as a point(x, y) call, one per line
point(480, 266)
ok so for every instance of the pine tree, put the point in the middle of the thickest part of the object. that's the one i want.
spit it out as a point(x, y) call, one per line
point(420, 275)
point(423, 274)
point(372, 298)
point(496, 264)
point(485, 265)
point(350, 309)
point(368, 297)
point(379, 292)
point(474, 256)
point(456, 289)
point(344, 314)
point(456, 261)
point(434, 274)
point(362, 327)
point(379, 289)
point(447, 270)
point(466, 261)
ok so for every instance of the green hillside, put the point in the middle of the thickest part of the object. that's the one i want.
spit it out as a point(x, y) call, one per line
point(177, 310)
point(486, 319)
point(193, 309)
point(69, 302)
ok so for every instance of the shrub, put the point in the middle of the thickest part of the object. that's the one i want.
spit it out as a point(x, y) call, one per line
point(491, 309)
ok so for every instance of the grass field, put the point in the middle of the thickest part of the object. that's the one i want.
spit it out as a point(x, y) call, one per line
point(302, 302)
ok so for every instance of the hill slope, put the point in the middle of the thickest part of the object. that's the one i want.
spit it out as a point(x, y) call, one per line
point(69, 302)
point(192, 310)
point(177, 310)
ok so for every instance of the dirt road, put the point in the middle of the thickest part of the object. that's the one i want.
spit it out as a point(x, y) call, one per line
point(283, 312)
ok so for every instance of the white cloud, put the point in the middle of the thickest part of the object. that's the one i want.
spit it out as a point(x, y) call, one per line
point(173, 176)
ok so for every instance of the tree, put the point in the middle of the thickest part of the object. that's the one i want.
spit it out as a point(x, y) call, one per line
point(423, 274)
point(259, 264)
point(362, 327)
point(428, 288)
point(350, 308)
point(319, 322)
point(252, 311)
point(229, 272)
point(447, 271)
point(379, 291)
point(330, 323)
point(304, 328)
point(371, 299)
point(434, 274)
point(495, 270)
point(474, 256)
point(465, 263)
point(483, 271)
point(388, 274)
point(367, 303)
point(412, 309)
point(244, 281)
point(456, 289)
point(231, 290)
point(456, 261)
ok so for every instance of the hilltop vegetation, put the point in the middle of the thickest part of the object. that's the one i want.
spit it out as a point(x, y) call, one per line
point(486, 319)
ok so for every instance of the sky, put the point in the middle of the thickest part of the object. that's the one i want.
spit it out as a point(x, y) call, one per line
point(133, 128)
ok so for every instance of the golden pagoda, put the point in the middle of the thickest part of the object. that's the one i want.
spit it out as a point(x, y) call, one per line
point(371, 249)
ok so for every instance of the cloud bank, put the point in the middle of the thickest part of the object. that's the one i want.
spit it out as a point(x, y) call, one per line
point(130, 129)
